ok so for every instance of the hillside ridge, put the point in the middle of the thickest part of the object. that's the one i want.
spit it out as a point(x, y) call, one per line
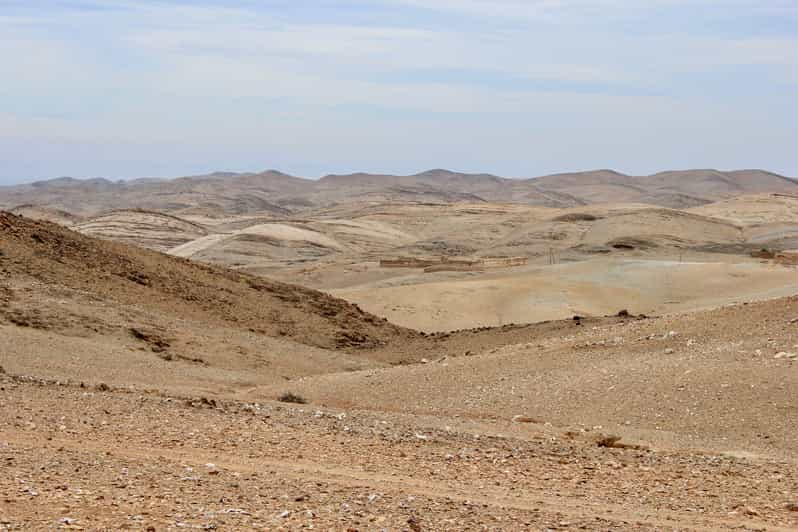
point(280, 193)
point(49, 255)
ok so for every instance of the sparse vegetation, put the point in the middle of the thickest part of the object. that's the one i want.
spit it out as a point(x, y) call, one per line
point(576, 217)
point(763, 253)
point(289, 397)
point(608, 441)
point(614, 442)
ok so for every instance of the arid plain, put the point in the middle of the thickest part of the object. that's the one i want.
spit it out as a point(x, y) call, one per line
point(440, 351)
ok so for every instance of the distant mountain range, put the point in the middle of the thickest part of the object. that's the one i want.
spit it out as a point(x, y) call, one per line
point(278, 193)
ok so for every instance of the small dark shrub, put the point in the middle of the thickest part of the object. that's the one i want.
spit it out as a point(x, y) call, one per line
point(608, 441)
point(289, 397)
point(576, 217)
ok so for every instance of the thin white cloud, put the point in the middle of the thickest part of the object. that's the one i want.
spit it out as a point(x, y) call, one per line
point(229, 78)
point(547, 8)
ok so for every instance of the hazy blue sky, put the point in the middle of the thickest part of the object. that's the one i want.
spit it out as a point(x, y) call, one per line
point(518, 88)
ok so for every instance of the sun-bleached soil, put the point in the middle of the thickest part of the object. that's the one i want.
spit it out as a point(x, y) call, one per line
point(593, 287)
point(142, 391)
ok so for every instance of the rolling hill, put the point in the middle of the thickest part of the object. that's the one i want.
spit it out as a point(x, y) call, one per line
point(280, 194)
point(164, 317)
point(677, 189)
point(164, 383)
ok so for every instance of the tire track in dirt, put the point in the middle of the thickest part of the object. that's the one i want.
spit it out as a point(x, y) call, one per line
point(398, 483)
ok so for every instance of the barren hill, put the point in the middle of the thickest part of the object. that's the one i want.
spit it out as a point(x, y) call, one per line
point(715, 379)
point(46, 213)
point(130, 379)
point(218, 192)
point(677, 189)
point(73, 292)
point(149, 229)
point(280, 194)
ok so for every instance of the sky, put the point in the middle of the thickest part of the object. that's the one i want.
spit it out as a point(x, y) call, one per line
point(164, 88)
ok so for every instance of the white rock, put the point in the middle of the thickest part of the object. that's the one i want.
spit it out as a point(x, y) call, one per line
point(236, 511)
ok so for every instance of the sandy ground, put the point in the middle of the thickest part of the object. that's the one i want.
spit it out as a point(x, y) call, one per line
point(592, 287)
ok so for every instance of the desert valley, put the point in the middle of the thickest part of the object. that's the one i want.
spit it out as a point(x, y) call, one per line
point(439, 351)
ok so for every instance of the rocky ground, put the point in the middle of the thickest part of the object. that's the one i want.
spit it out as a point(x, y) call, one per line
point(147, 392)
point(91, 458)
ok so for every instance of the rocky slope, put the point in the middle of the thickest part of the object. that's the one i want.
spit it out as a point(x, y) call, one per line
point(49, 273)
point(139, 390)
